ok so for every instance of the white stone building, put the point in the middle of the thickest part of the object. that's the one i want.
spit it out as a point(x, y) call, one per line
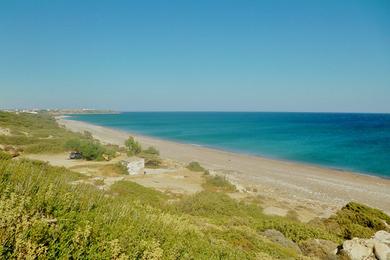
point(134, 165)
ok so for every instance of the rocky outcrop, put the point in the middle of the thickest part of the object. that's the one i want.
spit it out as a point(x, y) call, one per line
point(377, 247)
point(278, 238)
point(358, 249)
point(319, 248)
point(382, 245)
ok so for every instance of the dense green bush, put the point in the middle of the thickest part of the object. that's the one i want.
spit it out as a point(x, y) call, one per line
point(152, 158)
point(220, 209)
point(90, 149)
point(357, 220)
point(118, 168)
point(218, 183)
point(195, 167)
point(151, 150)
point(133, 147)
point(210, 204)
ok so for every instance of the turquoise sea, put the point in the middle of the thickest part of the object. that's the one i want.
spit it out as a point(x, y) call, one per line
point(356, 142)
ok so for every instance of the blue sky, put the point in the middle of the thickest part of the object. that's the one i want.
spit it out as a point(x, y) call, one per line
point(196, 55)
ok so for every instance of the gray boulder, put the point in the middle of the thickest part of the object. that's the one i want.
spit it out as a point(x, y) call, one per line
point(359, 249)
point(278, 238)
point(382, 245)
point(377, 247)
point(382, 236)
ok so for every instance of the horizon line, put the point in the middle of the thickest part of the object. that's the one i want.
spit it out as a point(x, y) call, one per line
point(195, 111)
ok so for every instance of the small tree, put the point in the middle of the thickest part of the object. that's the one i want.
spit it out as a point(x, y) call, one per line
point(133, 147)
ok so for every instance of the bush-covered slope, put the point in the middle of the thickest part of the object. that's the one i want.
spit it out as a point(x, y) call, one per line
point(40, 133)
point(44, 214)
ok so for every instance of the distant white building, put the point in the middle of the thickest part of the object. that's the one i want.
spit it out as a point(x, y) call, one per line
point(134, 165)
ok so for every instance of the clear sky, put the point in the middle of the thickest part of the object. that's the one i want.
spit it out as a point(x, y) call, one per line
point(330, 55)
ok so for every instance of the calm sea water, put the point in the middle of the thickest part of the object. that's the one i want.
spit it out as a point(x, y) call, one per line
point(357, 142)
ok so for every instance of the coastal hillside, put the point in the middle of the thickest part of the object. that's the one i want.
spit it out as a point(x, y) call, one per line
point(71, 211)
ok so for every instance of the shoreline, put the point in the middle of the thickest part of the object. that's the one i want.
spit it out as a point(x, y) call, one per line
point(319, 189)
point(220, 149)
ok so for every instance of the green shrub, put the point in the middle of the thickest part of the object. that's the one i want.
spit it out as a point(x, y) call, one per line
point(116, 168)
point(151, 156)
point(151, 150)
point(120, 168)
point(209, 204)
point(136, 192)
point(152, 161)
point(195, 167)
point(220, 209)
point(133, 147)
point(357, 220)
point(218, 183)
point(90, 149)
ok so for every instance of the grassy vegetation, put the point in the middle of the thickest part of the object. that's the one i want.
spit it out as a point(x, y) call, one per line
point(151, 150)
point(357, 220)
point(133, 147)
point(195, 167)
point(90, 149)
point(5, 156)
point(151, 160)
point(40, 133)
point(116, 168)
point(218, 183)
point(99, 182)
point(44, 215)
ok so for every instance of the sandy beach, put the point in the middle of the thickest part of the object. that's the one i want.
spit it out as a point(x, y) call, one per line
point(319, 191)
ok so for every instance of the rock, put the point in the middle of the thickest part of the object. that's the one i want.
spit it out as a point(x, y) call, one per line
point(377, 247)
point(278, 238)
point(381, 251)
point(382, 245)
point(382, 236)
point(323, 249)
point(359, 249)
